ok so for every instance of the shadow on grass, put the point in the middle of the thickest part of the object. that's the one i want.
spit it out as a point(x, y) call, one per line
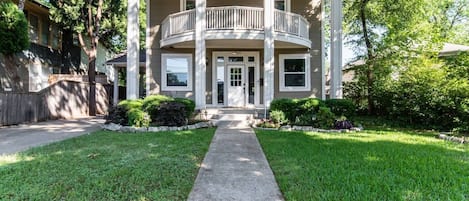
point(108, 166)
point(349, 167)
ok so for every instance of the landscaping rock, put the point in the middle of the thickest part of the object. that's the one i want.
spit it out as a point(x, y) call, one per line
point(297, 128)
point(190, 127)
point(154, 129)
point(164, 128)
point(286, 128)
point(141, 129)
point(112, 127)
point(128, 129)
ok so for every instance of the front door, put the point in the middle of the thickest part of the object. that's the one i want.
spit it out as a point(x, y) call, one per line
point(236, 86)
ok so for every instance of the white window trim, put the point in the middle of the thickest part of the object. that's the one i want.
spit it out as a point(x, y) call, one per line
point(164, 81)
point(183, 5)
point(287, 5)
point(307, 86)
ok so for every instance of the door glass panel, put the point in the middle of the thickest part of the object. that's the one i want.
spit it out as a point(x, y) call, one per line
point(251, 59)
point(251, 84)
point(236, 78)
point(220, 81)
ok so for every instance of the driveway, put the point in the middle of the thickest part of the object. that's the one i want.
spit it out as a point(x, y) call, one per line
point(19, 138)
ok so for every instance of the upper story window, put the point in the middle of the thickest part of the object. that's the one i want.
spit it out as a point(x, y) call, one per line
point(295, 72)
point(282, 5)
point(187, 5)
point(42, 32)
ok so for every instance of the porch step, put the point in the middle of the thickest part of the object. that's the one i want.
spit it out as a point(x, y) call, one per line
point(230, 114)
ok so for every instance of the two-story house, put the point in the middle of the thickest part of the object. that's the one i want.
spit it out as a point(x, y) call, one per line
point(241, 53)
point(52, 51)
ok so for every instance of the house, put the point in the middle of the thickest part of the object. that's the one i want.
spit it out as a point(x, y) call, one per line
point(241, 53)
point(450, 49)
point(52, 51)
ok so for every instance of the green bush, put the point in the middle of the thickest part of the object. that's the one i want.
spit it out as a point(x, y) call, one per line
point(152, 103)
point(131, 104)
point(138, 118)
point(341, 107)
point(278, 117)
point(307, 119)
point(171, 113)
point(13, 29)
point(190, 105)
point(293, 108)
point(118, 115)
point(325, 118)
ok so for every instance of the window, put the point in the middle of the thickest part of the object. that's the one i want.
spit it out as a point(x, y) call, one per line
point(187, 5)
point(45, 33)
point(295, 72)
point(176, 72)
point(282, 5)
point(34, 28)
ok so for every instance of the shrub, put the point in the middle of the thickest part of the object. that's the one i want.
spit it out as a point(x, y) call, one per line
point(131, 104)
point(171, 113)
point(325, 118)
point(287, 106)
point(13, 29)
point(342, 123)
point(190, 105)
point(118, 115)
point(306, 119)
point(341, 107)
point(138, 118)
point(278, 117)
point(152, 103)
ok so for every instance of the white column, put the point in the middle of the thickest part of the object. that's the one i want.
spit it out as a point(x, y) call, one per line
point(268, 52)
point(133, 31)
point(200, 54)
point(336, 50)
point(148, 71)
point(116, 85)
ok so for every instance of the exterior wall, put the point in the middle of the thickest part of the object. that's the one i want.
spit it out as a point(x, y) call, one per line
point(310, 9)
point(250, 3)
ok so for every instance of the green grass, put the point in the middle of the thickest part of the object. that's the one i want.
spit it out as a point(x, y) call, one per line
point(371, 165)
point(107, 166)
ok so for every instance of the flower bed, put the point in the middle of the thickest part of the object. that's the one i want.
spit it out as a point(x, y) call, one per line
point(132, 129)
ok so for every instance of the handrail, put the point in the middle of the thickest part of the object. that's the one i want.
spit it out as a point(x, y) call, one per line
point(235, 18)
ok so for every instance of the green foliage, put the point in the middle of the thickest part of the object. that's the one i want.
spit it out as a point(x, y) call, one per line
point(190, 105)
point(138, 118)
point(293, 108)
point(171, 113)
point(152, 103)
point(341, 107)
point(131, 104)
point(118, 115)
point(278, 117)
point(13, 29)
point(307, 119)
point(325, 118)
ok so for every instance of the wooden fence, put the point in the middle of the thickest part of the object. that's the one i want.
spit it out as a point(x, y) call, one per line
point(63, 99)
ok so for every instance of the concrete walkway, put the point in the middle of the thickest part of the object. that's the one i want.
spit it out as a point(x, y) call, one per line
point(235, 168)
point(19, 138)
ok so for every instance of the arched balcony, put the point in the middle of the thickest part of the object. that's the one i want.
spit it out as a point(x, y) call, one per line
point(235, 23)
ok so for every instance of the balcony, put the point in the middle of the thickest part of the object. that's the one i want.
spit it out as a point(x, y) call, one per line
point(236, 24)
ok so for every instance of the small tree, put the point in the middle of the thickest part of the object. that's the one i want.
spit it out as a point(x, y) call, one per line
point(13, 29)
point(100, 21)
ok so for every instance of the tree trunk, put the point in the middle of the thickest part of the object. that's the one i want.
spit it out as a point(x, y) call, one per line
point(92, 81)
point(369, 49)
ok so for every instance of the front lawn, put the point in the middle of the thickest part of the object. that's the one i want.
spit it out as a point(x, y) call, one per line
point(371, 165)
point(107, 166)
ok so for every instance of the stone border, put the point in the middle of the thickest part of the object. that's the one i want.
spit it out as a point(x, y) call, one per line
point(446, 137)
point(308, 128)
point(131, 129)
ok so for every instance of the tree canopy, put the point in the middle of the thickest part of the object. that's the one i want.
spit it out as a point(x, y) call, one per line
point(13, 29)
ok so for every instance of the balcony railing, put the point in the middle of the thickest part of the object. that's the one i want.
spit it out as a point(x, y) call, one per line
point(235, 18)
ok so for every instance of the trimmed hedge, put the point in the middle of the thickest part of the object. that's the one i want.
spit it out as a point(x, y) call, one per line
point(293, 108)
point(341, 107)
point(157, 109)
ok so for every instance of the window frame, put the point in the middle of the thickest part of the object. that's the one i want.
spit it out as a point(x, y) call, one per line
point(287, 5)
point(164, 81)
point(183, 5)
point(307, 72)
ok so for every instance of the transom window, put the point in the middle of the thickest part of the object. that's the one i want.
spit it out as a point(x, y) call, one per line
point(295, 72)
point(176, 72)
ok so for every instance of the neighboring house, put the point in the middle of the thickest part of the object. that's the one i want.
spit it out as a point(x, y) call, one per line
point(52, 51)
point(450, 49)
point(241, 53)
